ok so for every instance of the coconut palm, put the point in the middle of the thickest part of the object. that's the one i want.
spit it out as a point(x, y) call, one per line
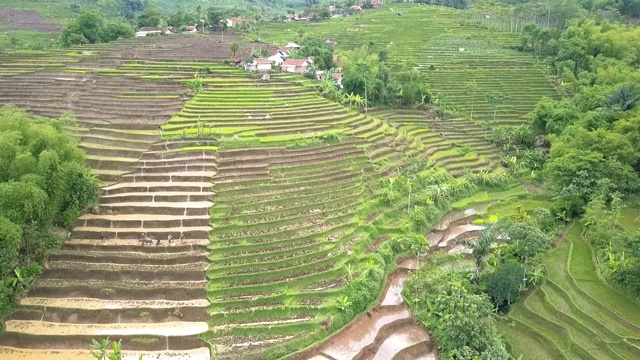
point(480, 248)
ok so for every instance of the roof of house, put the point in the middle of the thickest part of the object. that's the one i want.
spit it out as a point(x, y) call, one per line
point(291, 16)
point(190, 28)
point(296, 62)
point(337, 76)
point(150, 28)
point(236, 19)
point(291, 45)
point(262, 61)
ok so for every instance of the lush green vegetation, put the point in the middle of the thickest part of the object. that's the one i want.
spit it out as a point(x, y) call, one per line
point(44, 184)
point(506, 261)
point(92, 28)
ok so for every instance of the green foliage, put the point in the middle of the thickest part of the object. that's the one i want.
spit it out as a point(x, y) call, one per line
point(196, 84)
point(92, 28)
point(150, 17)
point(45, 184)
point(552, 116)
point(315, 46)
point(458, 317)
point(234, 47)
point(100, 350)
point(503, 284)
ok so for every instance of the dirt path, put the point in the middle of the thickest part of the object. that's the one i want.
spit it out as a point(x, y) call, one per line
point(96, 304)
point(177, 328)
point(11, 353)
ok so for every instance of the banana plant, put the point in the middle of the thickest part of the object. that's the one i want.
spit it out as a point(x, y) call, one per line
point(17, 280)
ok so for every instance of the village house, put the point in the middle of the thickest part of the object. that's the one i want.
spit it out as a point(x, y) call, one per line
point(290, 17)
point(337, 77)
point(145, 31)
point(234, 21)
point(297, 66)
point(190, 30)
point(291, 46)
point(278, 57)
point(376, 3)
point(259, 64)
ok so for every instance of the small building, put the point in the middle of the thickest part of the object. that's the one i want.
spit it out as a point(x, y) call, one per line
point(357, 8)
point(297, 66)
point(337, 77)
point(234, 21)
point(147, 30)
point(376, 3)
point(277, 57)
point(259, 64)
point(290, 17)
point(292, 46)
point(190, 30)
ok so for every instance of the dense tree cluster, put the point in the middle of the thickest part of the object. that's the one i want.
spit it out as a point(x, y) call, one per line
point(44, 183)
point(594, 133)
point(587, 145)
point(456, 302)
point(92, 28)
point(368, 77)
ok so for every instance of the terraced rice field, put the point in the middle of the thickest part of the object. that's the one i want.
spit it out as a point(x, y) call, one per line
point(283, 225)
point(458, 145)
point(430, 38)
point(103, 283)
point(494, 69)
point(271, 185)
point(574, 314)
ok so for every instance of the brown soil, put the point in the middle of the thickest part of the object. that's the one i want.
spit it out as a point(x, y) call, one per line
point(13, 19)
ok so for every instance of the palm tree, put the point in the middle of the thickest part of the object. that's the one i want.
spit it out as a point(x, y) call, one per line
point(624, 98)
point(479, 249)
point(470, 88)
point(495, 98)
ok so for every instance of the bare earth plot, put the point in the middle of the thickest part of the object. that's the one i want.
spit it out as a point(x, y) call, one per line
point(12, 19)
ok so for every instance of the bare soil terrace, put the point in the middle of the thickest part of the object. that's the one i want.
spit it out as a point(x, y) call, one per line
point(12, 19)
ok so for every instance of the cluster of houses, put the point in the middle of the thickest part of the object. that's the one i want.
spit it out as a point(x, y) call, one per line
point(146, 31)
point(335, 11)
point(281, 58)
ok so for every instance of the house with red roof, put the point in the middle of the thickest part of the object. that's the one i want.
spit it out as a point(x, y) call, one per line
point(190, 30)
point(298, 66)
point(234, 21)
point(259, 64)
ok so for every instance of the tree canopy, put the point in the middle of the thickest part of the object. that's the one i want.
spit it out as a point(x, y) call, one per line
point(92, 28)
point(44, 183)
